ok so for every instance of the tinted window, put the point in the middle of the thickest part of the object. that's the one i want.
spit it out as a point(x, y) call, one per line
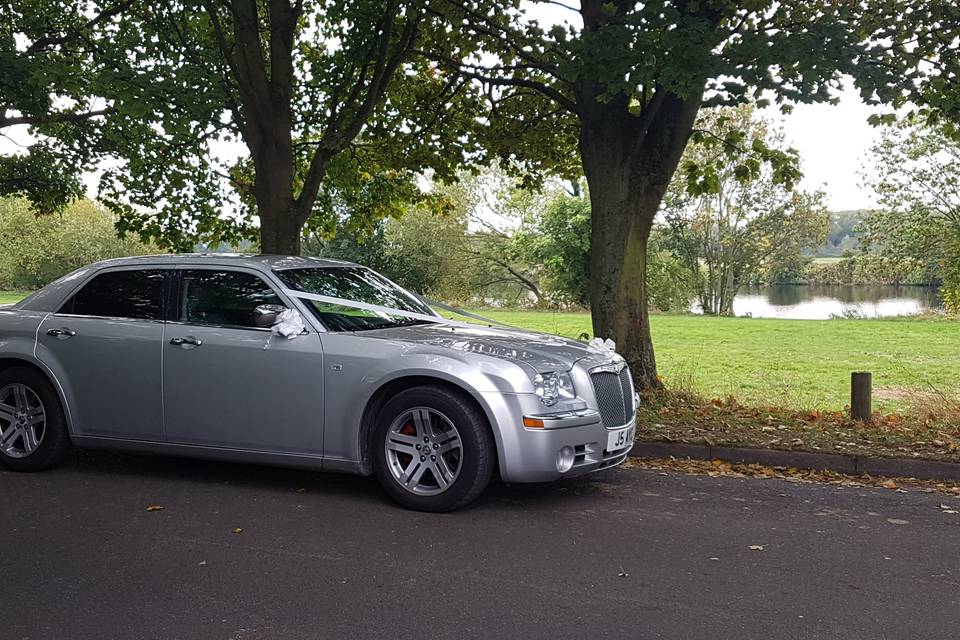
point(222, 297)
point(120, 294)
point(356, 284)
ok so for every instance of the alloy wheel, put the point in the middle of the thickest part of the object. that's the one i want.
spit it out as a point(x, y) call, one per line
point(22, 420)
point(424, 451)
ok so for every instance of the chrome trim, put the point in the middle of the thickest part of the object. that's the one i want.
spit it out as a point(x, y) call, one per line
point(609, 367)
point(564, 419)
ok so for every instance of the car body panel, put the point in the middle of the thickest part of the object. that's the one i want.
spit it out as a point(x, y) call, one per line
point(232, 392)
point(118, 393)
point(298, 402)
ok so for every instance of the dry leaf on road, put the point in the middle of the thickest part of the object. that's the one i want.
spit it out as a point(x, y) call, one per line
point(757, 547)
point(155, 507)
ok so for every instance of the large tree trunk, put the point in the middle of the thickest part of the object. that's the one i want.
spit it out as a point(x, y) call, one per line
point(628, 161)
point(280, 232)
point(618, 293)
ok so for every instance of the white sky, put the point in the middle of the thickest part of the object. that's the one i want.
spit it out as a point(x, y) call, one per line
point(834, 144)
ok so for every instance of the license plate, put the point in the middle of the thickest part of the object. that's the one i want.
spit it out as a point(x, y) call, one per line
point(620, 439)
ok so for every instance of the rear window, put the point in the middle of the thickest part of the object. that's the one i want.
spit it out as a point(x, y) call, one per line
point(131, 293)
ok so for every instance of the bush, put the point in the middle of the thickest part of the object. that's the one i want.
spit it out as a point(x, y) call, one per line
point(35, 250)
point(870, 269)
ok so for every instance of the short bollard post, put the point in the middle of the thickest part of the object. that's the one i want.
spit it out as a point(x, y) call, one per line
point(861, 390)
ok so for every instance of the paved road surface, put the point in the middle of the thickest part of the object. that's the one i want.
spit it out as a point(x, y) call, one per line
point(326, 556)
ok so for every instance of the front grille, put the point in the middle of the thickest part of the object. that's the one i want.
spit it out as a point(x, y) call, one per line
point(614, 392)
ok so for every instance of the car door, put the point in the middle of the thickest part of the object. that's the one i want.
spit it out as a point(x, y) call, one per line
point(227, 382)
point(105, 343)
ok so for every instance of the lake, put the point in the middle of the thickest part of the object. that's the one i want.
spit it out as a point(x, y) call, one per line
point(822, 302)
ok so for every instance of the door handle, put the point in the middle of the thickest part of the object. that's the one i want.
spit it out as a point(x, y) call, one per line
point(62, 333)
point(188, 340)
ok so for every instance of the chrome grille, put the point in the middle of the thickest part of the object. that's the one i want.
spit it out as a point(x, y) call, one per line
point(614, 392)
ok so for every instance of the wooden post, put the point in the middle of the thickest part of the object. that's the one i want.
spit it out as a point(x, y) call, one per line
point(861, 389)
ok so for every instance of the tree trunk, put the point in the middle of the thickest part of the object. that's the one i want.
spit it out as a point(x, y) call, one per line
point(280, 232)
point(618, 297)
point(628, 162)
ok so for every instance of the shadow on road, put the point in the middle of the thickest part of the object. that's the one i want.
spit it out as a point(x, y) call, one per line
point(106, 464)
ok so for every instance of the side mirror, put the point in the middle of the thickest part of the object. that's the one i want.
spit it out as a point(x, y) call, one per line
point(265, 315)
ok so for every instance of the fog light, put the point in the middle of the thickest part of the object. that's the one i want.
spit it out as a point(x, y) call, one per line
point(565, 459)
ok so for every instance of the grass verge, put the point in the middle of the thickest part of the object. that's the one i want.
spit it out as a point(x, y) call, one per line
point(9, 297)
point(932, 433)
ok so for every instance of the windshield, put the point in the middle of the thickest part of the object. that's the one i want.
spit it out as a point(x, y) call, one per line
point(359, 285)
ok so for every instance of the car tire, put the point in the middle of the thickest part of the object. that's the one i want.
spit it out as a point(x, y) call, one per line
point(29, 401)
point(452, 433)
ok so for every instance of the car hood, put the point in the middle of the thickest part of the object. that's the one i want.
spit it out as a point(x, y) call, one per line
point(540, 351)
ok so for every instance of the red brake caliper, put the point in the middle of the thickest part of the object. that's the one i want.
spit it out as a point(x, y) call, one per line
point(407, 430)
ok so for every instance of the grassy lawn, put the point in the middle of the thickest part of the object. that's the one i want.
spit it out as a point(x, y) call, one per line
point(9, 297)
point(804, 364)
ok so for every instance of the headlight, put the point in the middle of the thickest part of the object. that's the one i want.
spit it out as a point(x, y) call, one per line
point(553, 386)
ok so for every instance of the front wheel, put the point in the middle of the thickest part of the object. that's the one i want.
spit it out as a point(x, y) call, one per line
point(433, 449)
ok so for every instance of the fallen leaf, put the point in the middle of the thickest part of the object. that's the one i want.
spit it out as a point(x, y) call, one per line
point(888, 484)
point(238, 530)
point(155, 507)
point(757, 547)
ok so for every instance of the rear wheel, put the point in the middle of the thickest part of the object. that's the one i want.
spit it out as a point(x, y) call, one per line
point(433, 449)
point(33, 430)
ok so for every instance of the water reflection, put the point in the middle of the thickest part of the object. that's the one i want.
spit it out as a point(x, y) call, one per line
point(821, 302)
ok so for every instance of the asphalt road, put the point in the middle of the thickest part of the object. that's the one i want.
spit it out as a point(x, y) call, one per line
point(623, 554)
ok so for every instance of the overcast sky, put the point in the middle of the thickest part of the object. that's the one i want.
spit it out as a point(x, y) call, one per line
point(834, 144)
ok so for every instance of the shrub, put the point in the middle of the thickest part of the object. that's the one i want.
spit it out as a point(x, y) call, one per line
point(35, 250)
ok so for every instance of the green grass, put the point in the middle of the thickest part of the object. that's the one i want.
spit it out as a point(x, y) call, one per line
point(9, 297)
point(792, 363)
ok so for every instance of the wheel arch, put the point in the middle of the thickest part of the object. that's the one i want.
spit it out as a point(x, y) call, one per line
point(19, 360)
point(394, 386)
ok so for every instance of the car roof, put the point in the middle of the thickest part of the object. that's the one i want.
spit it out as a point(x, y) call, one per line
point(50, 297)
point(257, 261)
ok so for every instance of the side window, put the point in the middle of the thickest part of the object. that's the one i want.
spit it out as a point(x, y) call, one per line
point(121, 294)
point(222, 297)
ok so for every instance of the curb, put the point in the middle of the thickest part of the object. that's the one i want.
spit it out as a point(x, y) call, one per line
point(840, 463)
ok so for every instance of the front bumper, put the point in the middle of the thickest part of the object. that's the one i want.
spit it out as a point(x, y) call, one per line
point(530, 454)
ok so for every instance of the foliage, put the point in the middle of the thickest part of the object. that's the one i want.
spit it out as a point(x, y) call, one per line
point(669, 285)
point(870, 269)
point(420, 250)
point(47, 83)
point(557, 240)
point(918, 183)
point(842, 236)
point(337, 110)
point(39, 249)
point(746, 224)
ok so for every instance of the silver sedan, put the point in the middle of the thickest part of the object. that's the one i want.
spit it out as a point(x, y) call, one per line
point(301, 362)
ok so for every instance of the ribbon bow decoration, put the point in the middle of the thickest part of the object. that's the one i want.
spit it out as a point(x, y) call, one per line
point(601, 344)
